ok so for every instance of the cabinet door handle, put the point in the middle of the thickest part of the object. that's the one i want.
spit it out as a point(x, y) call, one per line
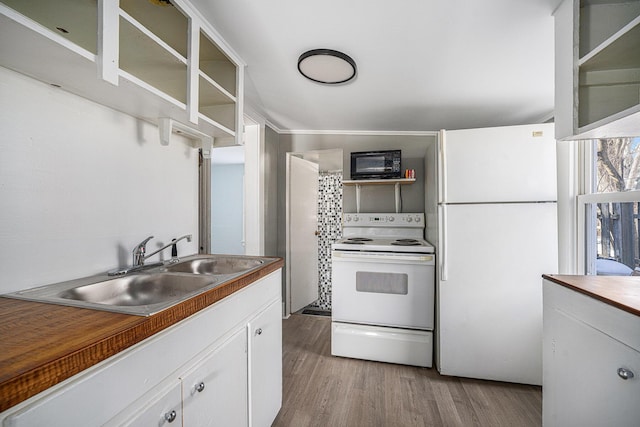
point(625, 374)
point(200, 387)
point(170, 416)
point(259, 331)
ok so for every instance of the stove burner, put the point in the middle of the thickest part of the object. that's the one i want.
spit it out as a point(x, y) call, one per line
point(353, 242)
point(358, 239)
point(406, 242)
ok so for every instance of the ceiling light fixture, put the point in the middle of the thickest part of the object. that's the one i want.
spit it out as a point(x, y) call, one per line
point(327, 66)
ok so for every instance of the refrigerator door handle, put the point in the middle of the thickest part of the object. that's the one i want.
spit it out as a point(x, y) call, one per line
point(444, 271)
point(442, 167)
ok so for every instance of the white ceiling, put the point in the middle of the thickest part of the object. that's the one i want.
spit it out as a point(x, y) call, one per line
point(423, 65)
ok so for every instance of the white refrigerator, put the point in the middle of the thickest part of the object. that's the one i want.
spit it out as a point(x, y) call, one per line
point(496, 236)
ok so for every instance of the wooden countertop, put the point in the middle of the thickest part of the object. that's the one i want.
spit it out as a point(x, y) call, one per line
point(622, 292)
point(44, 344)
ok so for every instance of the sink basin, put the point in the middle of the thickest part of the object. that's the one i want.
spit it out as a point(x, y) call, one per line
point(216, 264)
point(138, 289)
point(140, 294)
point(149, 290)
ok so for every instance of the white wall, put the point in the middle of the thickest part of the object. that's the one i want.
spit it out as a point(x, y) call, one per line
point(81, 185)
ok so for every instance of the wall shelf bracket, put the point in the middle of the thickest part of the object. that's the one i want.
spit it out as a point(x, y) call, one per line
point(167, 126)
point(395, 182)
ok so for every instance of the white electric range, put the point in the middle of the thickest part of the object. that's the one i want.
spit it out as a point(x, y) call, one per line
point(383, 285)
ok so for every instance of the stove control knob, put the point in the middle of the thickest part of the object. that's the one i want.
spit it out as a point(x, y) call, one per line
point(409, 219)
point(347, 218)
point(355, 219)
point(390, 219)
point(418, 219)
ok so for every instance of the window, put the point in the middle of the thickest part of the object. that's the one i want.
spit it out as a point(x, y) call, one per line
point(611, 210)
point(617, 164)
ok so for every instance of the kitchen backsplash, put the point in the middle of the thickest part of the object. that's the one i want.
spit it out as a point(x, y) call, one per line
point(330, 227)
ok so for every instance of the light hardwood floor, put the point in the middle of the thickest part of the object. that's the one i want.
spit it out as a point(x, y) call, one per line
point(322, 390)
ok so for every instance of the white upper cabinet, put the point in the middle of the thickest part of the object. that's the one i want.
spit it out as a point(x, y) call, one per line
point(217, 85)
point(597, 69)
point(80, 27)
point(151, 60)
point(153, 46)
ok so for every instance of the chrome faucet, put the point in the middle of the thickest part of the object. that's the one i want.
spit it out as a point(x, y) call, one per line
point(140, 255)
point(139, 252)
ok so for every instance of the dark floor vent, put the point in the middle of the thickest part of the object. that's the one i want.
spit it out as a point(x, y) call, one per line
point(316, 312)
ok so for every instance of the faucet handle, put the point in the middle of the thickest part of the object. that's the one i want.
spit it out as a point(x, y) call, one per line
point(143, 245)
point(139, 251)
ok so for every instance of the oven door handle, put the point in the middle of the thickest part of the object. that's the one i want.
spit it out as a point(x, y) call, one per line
point(382, 257)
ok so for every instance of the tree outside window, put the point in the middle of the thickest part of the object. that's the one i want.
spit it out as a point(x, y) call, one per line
point(617, 225)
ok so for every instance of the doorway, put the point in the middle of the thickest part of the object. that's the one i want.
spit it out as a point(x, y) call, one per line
point(236, 211)
point(314, 214)
point(227, 200)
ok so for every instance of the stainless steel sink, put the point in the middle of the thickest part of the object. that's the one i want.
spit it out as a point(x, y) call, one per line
point(138, 289)
point(141, 294)
point(149, 289)
point(216, 264)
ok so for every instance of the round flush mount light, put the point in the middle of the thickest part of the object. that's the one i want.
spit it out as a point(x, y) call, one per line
point(327, 66)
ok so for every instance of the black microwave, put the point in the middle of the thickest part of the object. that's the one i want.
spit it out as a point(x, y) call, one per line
point(376, 164)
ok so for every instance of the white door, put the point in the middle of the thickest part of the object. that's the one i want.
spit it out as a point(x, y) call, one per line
point(490, 298)
point(303, 228)
point(505, 164)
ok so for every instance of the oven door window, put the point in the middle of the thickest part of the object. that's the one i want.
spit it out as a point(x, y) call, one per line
point(382, 283)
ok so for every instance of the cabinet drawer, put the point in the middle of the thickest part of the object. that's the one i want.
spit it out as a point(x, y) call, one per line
point(618, 324)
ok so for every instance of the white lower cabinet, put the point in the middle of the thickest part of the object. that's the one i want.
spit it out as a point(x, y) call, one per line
point(591, 362)
point(265, 365)
point(220, 367)
point(214, 392)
